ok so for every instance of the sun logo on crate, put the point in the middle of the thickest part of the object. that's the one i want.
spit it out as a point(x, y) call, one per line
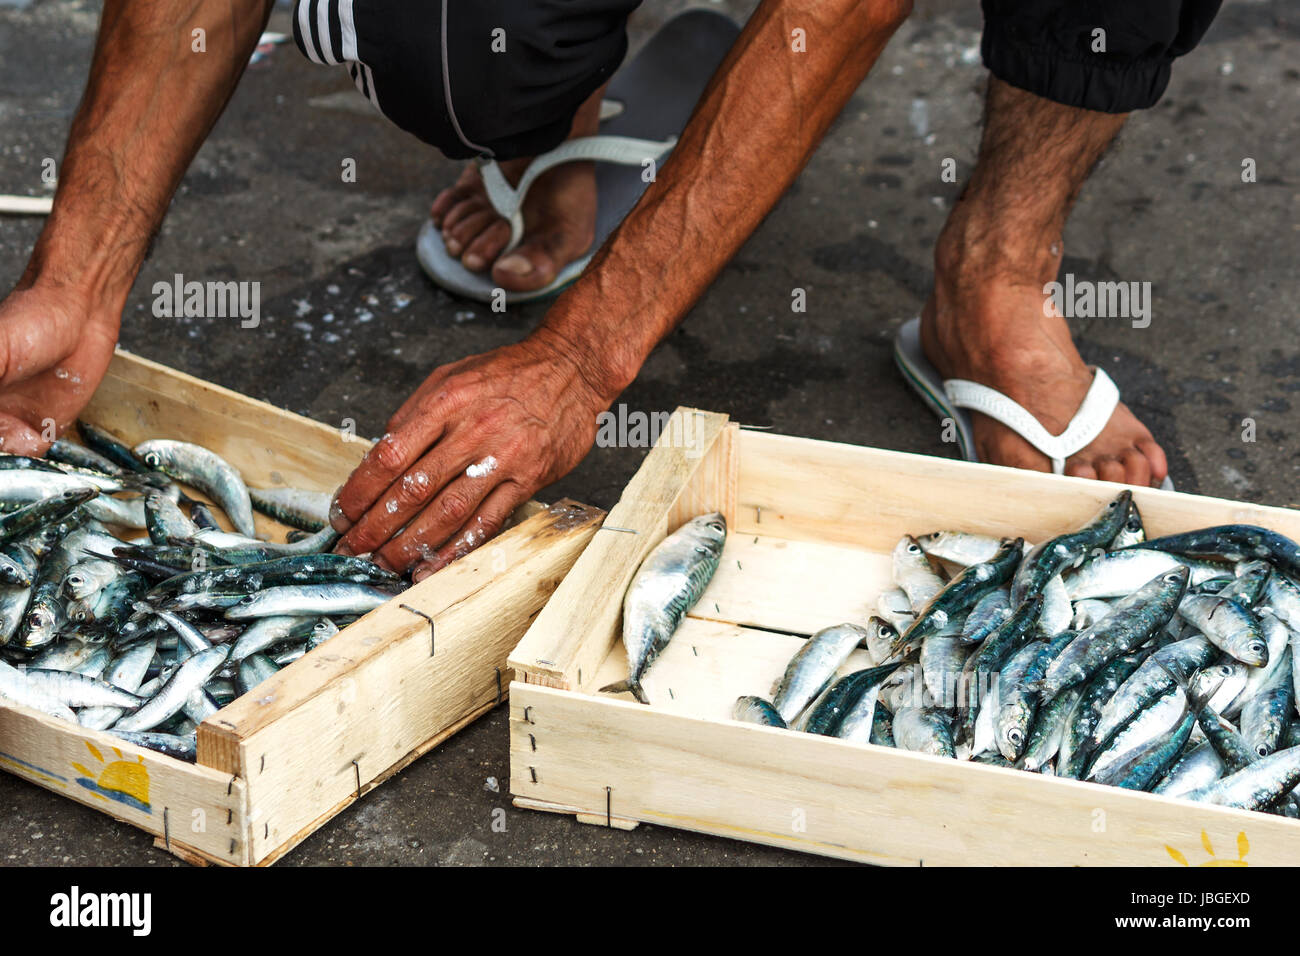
point(120, 780)
point(1243, 848)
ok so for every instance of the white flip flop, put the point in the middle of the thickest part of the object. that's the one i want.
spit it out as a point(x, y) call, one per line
point(508, 201)
point(646, 106)
point(950, 399)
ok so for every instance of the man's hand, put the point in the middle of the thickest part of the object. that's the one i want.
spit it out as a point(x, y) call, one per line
point(474, 442)
point(54, 349)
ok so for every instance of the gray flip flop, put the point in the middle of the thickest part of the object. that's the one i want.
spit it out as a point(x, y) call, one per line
point(950, 399)
point(650, 99)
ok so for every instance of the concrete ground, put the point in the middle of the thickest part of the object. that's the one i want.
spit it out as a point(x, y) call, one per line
point(350, 324)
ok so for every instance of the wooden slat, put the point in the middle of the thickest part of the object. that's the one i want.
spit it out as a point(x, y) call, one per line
point(865, 497)
point(573, 635)
point(139, 399)
point(826, 796)
point(795, 586)
point(708, 664)
point(191, 806)
point(379, 693)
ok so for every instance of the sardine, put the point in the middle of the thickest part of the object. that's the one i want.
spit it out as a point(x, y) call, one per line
point(664, 589)
point(206, 471)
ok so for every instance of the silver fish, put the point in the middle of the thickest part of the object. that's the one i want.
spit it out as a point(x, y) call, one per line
point(1199, 766)
point(78, 690)
point(208, 472)
point(1256, 787)
point(960, 547)
point(1265, 716)
point(813, 667)
point(914, 573)
point(190, 676)
point(304, 599)
point(1230, 626)
point(127, 672)
point(14, 686)
point(924, 730)
point(755, 710)
point(665, 587)
point(308, 510)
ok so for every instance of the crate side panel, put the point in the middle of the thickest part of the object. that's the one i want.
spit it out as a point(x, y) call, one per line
point(859, 802)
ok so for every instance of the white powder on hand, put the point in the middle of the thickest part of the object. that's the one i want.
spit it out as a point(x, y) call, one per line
point(482, 468)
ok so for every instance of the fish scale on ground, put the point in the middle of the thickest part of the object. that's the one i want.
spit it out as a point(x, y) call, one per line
point(1112, 657)
point(137, 635)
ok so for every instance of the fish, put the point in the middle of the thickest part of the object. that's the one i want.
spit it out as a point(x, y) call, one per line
point(924, 730)
point(941, 608)
point(914, 574)
point(881, 639)
point(988, 657)
point(1236, 542)
point(986, 616)
point(844, 701)
point(1049, 729)
point(1045, 561)
point(1133, 532)
point(1076, 741)
point(181, 747)
point(1227, 624)
point(15, 687)
point(205, 470)
point(254, 669)
point(1152, 679)
point(191, 675)
point(306, 510)
point(78, 690)
point(813, 667)
point(1265, 716)
point(1115, 574)
point(1198, 767)
point(755, 710)
point(960, 547)
point(1258, 786)
point(665, 587)
point(1129, 624)
point(304, 599)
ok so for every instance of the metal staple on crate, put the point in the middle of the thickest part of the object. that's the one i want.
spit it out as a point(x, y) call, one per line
point(357, 768)
point(610, 527)
point(609, 804)
point(433, 638)
point(498, 670)
point(167, 837)
point(526, 717)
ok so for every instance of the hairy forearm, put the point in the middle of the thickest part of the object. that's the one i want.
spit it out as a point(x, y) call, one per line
point(149, 102)
point(758, 122)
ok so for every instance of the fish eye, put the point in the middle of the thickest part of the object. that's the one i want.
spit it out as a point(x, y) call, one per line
point(1257, 647)
point(1015, 736)
point(1262, 750)
point(152, 459)
point(913, 549)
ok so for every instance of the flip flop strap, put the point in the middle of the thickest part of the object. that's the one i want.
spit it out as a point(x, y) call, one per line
point(1087, 424)
point(508, 200)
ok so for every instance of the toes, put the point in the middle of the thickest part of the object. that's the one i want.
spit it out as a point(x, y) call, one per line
point(1110, 469)
point(527, 267)
point(442, 204)
point(1080, 469)
point(1137, 470)
point(487, 246)
point(466, 230)
point(1156, 462)
point(465, 207)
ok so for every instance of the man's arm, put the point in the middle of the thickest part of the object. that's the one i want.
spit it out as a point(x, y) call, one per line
point(150, 100)
point(757, 125)
point(532, 407)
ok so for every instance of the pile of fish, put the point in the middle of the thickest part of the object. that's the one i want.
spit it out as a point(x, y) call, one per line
point(1169, 665)
point(125, 607)
point(1166, 665)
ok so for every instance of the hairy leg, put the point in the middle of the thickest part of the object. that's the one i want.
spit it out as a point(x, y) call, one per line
point(1002, 243)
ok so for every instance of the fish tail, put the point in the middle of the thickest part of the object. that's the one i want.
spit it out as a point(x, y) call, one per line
point(631, 685)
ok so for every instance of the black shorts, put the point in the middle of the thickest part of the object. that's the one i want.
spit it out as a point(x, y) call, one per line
point(503, 78)
point(1108, 55)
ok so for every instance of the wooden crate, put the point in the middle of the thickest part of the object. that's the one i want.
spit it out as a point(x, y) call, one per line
point(277, 763)
point(811, 528)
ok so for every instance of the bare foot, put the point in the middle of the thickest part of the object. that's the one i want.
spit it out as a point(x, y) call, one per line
point(559, 217)
point(987, 325)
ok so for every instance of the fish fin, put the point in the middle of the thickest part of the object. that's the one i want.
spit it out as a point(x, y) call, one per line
point(625, 687)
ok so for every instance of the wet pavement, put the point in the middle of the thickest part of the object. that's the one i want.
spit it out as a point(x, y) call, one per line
point(350, 325)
